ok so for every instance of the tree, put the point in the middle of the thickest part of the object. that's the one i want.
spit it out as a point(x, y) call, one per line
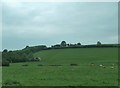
point(27, 47)
point(98, 43)
point(67, 45)
point(78, 44)
point(63, 43)
point(5, 50)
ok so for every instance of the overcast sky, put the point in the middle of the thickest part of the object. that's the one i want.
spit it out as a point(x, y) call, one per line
point(49, 23)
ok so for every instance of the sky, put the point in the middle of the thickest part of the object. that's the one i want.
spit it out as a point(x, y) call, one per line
point(49, 23)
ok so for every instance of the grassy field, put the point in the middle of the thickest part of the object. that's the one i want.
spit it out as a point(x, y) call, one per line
point(0, 77)
point(45, 72)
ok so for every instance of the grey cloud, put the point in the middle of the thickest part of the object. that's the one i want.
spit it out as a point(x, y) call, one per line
point(49, 23)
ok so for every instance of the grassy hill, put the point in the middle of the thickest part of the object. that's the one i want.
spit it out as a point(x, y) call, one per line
point(87, 72)
point(79, 56)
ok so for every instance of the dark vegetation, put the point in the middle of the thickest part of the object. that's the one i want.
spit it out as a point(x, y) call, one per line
point(26, 54)
point(5, 63)
point(12, 83)
point(73, 64)
point(23, 55)
point(40, 65)
point(55, 65)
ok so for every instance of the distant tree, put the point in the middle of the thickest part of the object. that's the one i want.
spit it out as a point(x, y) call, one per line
point(67, 45)
point(52, 46)
point(27, 47)
point(5, 54)
point(98, 43)
point(10, 51)
point(78, 44)
point(63, 43)
point(5, 50)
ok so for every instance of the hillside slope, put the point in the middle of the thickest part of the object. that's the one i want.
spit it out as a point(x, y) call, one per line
point(47, 72)
point(79, 56)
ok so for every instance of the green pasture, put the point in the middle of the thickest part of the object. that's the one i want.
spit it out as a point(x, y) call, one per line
point(86, 72)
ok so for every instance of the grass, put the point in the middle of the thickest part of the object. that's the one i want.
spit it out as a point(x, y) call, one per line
point(82, 55)
point(0, 76)
point(83, 74)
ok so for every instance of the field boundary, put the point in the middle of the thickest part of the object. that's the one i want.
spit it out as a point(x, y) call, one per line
point(60, 87)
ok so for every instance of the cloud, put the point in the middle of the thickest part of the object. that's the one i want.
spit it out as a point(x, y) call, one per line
point(49, 23)
point(15, 1)
point(0, 27)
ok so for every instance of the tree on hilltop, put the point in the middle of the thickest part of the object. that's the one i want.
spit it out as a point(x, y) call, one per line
point(63, 43)
point(98, 43)
point(78, 44)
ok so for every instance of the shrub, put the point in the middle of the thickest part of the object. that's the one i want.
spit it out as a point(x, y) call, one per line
point(40, 65)
point(5, 63)
point(73, 65)
point(55, 65)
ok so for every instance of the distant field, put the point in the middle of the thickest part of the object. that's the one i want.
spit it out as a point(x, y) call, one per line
point(84, 73)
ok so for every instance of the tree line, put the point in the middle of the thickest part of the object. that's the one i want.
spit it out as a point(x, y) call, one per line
point(23, 55)
point(26, 54)
point(79, 45)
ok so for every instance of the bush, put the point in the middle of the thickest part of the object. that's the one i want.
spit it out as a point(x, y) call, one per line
point(5, 63)
point(73, 65)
